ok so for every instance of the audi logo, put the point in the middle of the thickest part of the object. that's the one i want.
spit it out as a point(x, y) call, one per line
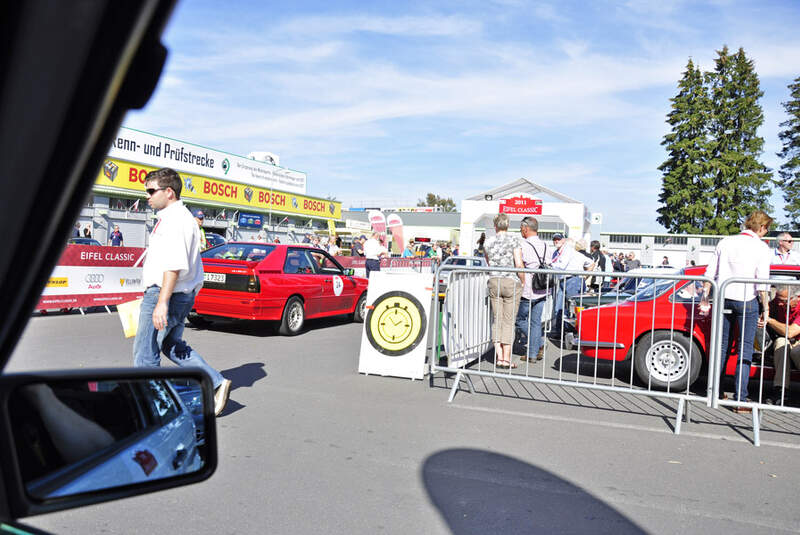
point(94, 278)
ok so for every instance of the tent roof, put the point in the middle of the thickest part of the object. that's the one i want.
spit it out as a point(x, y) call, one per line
point(522, 185)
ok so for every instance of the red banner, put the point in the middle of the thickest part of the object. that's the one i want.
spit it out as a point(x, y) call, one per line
point(521, 205)
point(94, 276)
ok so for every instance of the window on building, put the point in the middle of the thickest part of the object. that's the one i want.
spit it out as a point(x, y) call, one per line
point(127, 204)
point(625, 238)
point(709, 241)
point(671, 240)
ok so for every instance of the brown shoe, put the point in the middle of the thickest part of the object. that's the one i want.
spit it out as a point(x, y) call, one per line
point(743, 410)
point(540, 354)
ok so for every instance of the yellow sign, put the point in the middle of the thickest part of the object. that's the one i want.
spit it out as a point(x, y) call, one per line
point(331, 227)
point(57, 282)
point(130, 177)
point(395, 324)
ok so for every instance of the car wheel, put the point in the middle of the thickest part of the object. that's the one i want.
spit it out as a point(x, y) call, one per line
point(196, 320)
point(666, 359)
point(294, 316)
point(360, 311)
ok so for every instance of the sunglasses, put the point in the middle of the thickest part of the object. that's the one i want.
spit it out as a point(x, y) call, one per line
point(152, 191)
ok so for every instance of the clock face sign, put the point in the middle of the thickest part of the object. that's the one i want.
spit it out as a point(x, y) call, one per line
point(396, 323)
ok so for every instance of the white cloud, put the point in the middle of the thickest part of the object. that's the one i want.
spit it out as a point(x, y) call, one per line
point(432, 25)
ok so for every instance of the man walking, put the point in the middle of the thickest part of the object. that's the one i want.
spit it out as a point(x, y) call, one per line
point(529, 315)
point(172, 275)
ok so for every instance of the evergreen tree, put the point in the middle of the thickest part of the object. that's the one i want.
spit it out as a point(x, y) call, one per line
point(790, 152)
point(739, 182)
point(684, 205)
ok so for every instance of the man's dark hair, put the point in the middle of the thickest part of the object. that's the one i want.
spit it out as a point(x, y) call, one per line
point(166, 178)
point(531, 223)
point(595, 245)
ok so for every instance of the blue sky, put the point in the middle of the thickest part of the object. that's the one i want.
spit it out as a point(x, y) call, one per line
point(389, 101)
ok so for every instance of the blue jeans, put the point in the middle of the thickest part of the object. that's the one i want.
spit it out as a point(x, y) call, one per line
point(150, 343)
point(570, 287)
point(744, 313)
point(529, 321)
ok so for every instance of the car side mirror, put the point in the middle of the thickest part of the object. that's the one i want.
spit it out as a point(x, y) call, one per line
point(72, 439)
point(349, 272)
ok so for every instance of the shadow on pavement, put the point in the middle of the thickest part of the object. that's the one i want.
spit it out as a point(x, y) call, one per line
point(480, 492)
point(245, 375)
point(263, 328)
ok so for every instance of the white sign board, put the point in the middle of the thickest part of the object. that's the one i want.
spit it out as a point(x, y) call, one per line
point(158, 151)
point(396, 325)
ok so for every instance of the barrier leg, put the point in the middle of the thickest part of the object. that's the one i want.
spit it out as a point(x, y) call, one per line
point(108, 309)
point(679, 415)
point(80, 309)
point(756, 427)
point(454, 389)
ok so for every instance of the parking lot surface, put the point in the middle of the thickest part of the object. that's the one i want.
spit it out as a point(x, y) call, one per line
point(307, 445)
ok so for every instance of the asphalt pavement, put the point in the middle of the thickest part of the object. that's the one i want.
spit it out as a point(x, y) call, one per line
point(307, 445)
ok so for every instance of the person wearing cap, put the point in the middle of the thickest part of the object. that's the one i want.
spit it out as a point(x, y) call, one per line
point(358, 246)
point(199, 216)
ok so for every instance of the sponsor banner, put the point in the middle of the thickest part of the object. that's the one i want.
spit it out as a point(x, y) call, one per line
point(94, 276)
point(129, 177)
point(159, 151)
point(395, 224)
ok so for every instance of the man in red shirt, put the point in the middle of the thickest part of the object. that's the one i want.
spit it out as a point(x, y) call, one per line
point(784, 325)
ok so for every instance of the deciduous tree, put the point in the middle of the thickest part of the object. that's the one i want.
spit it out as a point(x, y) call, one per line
point(447, 204)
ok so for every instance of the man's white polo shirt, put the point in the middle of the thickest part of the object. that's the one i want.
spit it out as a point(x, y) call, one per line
point(174, 246)
point(789, 258)
point(373, 249)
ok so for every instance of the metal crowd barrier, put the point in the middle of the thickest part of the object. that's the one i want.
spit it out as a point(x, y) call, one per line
point(655, 335)
point(764, 339)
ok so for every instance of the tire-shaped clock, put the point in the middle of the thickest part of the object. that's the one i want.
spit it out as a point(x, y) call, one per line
point(396, 323)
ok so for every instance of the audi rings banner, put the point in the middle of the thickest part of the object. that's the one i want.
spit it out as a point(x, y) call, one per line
point(88, 276)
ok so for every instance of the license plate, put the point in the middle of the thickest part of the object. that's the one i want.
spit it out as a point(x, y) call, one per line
point(214, 277)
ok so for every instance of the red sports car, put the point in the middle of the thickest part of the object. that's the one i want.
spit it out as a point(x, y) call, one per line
point(661, 329)
point(285, 283)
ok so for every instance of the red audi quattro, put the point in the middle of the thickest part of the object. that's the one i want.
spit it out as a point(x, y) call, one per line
point(661, 329)
point(275, 282)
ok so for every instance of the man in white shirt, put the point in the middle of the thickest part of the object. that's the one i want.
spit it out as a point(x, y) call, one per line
point(172, 275)
point(535, 255)
point(374, 251)
point(566, 258)
point(784, 255)
point(743, 255)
